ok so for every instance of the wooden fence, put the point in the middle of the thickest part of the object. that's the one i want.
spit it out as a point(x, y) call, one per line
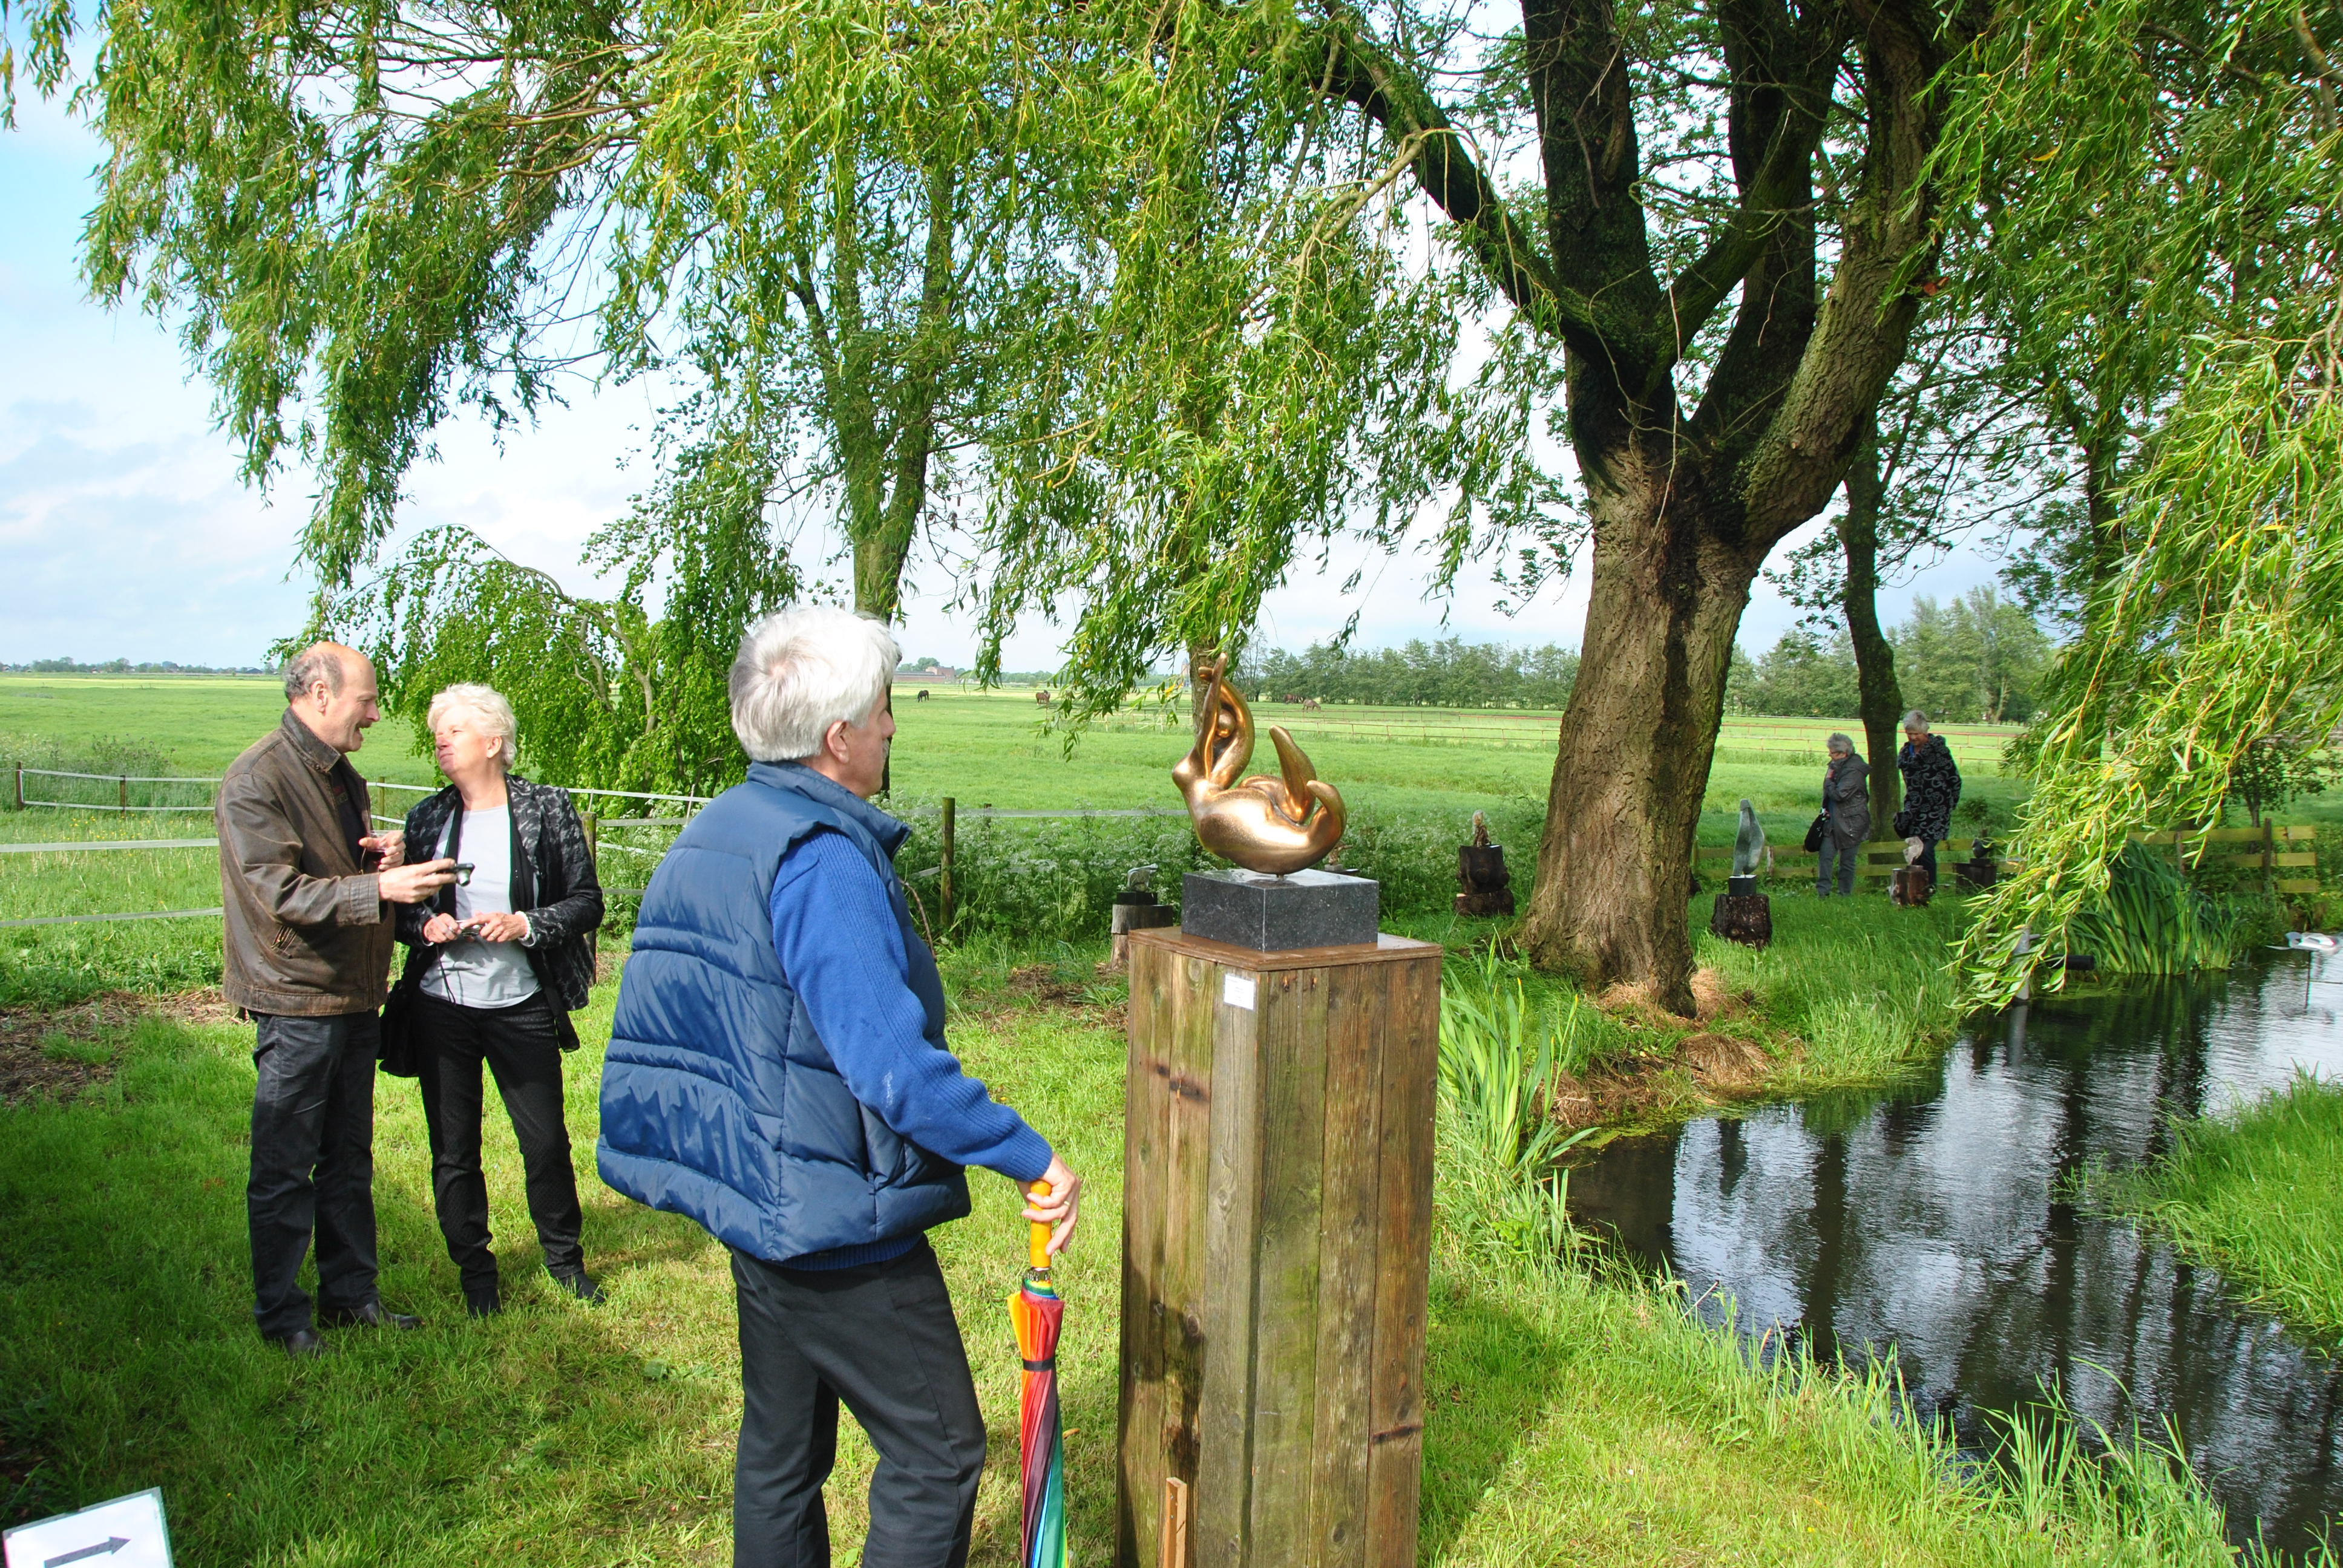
point(2274, 849)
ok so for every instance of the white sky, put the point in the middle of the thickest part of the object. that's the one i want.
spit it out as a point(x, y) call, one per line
point(125, 533)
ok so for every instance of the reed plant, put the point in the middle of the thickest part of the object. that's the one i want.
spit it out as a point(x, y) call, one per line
point(2153, 920)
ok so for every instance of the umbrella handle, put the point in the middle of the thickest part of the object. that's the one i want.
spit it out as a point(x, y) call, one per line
point(1036, 1235)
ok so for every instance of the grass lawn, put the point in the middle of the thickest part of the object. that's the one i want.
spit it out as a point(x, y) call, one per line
point(1569, 1420)
point(2258, 1194)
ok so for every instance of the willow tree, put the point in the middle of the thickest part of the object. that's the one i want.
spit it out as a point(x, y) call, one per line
point(1701, 233)
point(838, 228)
point(2207, 149)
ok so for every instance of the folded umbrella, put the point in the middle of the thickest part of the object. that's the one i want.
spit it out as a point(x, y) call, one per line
point(1037, 1314)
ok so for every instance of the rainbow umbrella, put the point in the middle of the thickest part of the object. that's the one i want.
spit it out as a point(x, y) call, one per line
point(1037, 1314)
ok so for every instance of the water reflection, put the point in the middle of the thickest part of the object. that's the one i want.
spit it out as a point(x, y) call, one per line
point(1932, 1221)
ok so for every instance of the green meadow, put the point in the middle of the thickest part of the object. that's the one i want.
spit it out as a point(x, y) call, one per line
point(1572, 1415)
point(998, 748)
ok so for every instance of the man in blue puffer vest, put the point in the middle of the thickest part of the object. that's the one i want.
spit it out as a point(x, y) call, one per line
point(778, 1071)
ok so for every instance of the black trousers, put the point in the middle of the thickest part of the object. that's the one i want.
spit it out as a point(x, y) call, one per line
point(1927, 860)
point(312, 1165)
point(521, 1048)
point(883, 1339)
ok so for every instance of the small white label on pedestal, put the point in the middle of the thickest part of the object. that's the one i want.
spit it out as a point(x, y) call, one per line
point(127, 1533)
point(1236, 990)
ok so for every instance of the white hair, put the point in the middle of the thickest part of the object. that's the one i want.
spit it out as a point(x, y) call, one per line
point(496, 716)
point(1839, 742)
point(802, 670)
point(1915, 720)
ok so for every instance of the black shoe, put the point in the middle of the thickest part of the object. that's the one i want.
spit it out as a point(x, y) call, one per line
point(487, 1303)
point(582, 1285)
point(373, 1315)
point(301, 1344)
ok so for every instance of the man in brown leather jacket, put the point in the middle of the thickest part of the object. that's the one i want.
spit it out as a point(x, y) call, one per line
point(307, 886)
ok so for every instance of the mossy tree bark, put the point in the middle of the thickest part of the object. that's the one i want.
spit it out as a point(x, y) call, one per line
point(1687, 501)
point(1876, 697)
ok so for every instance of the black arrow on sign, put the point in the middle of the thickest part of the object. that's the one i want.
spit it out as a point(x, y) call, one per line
point(105, 1548)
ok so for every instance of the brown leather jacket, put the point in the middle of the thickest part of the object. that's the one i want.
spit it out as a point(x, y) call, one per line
point(308, 935)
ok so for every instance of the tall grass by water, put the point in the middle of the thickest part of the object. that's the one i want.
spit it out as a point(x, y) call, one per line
point(2259, 1194)
point(2153, 920)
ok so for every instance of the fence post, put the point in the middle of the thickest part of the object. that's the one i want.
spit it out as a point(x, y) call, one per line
point(123, 783)
point(20, 786)
point(2270, 850)
point(944, 876)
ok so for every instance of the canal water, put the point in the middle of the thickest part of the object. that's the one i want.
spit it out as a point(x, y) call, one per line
point(1933, 1220)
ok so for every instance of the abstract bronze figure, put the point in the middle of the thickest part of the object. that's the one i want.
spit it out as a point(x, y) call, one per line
point(1272, 826)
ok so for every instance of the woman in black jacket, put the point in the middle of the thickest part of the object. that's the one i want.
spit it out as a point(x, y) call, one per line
point(494, 967)
point(1931, 788)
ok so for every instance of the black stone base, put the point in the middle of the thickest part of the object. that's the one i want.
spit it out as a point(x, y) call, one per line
point(1741, 887)
point(1279, 914)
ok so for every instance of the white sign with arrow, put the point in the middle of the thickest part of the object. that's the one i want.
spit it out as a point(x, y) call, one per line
point(127, 1533)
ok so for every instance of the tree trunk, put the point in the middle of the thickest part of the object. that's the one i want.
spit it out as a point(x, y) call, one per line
point(1879, 702)
point(1637, 738)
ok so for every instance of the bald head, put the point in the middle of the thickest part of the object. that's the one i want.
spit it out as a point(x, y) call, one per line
point(329, 662)
point(331, 690)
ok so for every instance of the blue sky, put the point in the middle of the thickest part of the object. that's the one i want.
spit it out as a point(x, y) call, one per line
point(126, 532)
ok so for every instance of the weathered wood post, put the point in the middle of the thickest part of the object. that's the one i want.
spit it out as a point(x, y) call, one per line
point(944, 875)
point(1277, 1223)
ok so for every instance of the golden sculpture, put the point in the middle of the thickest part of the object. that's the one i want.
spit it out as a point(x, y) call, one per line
point(1268, 825)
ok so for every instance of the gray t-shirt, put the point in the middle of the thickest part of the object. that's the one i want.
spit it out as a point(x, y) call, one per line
point(471, 973)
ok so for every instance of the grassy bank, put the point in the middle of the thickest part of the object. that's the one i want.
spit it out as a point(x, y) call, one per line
point(1852, 994)
point(1571, 1418)
point(2260, 1195)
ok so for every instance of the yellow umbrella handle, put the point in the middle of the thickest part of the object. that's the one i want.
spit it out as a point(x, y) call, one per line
point(1037, 1237)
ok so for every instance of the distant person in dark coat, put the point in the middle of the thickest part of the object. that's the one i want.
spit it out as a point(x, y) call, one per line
point(1846, 813)
point(778, 1071)
point(1931, 788)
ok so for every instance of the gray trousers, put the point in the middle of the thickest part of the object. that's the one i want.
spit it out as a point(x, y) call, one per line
point(312, 1165)
point(1848, 856)
point(882, 1340)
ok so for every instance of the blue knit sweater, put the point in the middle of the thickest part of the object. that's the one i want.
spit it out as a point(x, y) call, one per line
point(842, 949)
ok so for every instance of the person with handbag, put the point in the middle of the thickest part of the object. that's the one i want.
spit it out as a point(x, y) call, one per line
point(1846, 821)
point(1931, 788)
point(495, 965)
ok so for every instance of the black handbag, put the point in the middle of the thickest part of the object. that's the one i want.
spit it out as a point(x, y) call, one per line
point(1903, 824)
point(1815, 829)
point(397, 1054)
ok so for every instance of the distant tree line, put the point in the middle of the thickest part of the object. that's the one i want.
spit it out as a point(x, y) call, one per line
point(1450, 673)
point(1982, 659)
point(124, 667)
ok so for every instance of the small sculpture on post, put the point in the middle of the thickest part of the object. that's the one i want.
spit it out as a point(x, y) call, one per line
point(1136, 909)
point(1274, 831)
point(1748, 849)
point(1269, 825)
point(1743, 914)
point(1911, 885)
point(1488, 887)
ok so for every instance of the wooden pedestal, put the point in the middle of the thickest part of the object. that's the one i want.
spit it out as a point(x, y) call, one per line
point(1277, 1230)
point(1745, 918)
